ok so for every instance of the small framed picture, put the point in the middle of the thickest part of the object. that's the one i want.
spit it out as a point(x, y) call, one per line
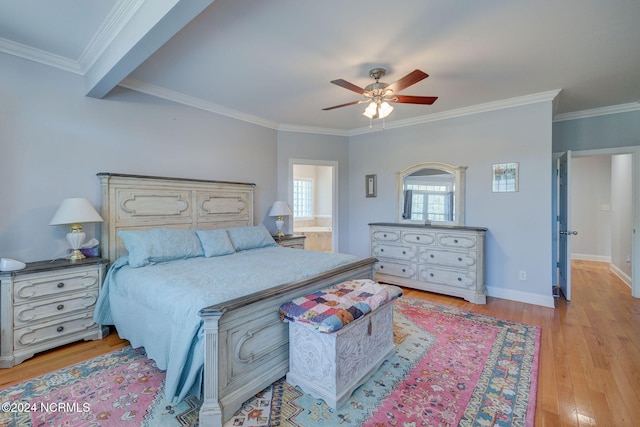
point(371, 186)
point(505, 177)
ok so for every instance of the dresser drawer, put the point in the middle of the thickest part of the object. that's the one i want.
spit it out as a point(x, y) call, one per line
point(40, 310)
point(419, 237)
point(47, 285)
point(452, 278)
point(405, 253)
point(34, 335)
point(406, 271)
point(386, 236)
point(460, 241)
point(463, 260)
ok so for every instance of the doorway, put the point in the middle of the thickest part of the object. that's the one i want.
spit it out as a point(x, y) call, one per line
point(313, 195)
point(603, 207)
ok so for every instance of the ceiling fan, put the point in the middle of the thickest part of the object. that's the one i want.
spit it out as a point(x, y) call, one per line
point(379, 95)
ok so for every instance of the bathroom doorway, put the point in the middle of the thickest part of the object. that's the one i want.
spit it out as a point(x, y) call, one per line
point(313, 198)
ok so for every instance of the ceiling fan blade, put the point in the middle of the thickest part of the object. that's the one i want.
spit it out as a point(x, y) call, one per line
point(341, 105)
point(408, 99)
point(412, 78)
point(345, 84)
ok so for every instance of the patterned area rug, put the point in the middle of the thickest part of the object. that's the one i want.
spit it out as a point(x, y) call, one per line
point(451, 367)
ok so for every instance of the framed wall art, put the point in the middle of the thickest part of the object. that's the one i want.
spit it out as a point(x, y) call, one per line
point(505, 177)
point(371, 186)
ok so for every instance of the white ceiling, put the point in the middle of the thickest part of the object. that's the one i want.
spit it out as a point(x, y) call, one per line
point(271, 61)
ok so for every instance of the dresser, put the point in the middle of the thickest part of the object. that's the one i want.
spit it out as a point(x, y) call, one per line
point(48, 304)
point(291, 241)
point(443, 259)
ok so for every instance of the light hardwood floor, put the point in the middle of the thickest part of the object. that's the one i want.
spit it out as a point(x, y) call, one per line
point(589, 372)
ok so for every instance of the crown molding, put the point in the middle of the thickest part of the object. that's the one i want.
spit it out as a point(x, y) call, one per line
point(115, 22)
point(40, 56)
point(194, 102)
point(465, 111)
point(585, 114)
point(315, 130)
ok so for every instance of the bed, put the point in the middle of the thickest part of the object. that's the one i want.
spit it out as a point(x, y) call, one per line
point(228, 345)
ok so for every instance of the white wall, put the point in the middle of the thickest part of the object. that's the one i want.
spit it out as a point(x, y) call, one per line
point(590, 199)
point(54, 140)
point(621, 202)
point(519, 236)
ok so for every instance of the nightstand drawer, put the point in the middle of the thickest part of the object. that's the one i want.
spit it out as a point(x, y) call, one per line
point(46, 285)
point(34, 312)
point(32, 336)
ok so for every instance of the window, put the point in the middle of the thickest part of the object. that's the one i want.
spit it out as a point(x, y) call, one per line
point(302, 198)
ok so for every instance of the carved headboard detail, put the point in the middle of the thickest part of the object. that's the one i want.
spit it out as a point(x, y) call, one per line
point(135, 202)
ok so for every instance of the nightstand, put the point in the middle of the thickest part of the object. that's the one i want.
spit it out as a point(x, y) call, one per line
point(291, 241)
point(48, 304)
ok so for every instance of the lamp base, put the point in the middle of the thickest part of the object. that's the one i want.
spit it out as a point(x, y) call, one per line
point(76, 255)
point(75, 239)
point(279, 224)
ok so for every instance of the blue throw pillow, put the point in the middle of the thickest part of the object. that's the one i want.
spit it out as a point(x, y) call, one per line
point(244, 238)
point(215, 242)
point(160, 244)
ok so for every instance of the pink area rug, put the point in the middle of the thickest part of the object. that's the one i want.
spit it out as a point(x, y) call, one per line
point(451, 367)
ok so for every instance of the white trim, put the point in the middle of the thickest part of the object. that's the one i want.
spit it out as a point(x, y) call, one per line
point(584, 114)
point(621, 275)
point(192, 101)
point(587, 257)
point(465, 111)
point(40, 56)
point(115, 22)
point(526, 297)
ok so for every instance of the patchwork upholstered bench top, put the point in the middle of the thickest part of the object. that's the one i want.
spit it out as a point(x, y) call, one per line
point(333, 308)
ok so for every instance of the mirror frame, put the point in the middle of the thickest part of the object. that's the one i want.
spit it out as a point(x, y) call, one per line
point(458, 171)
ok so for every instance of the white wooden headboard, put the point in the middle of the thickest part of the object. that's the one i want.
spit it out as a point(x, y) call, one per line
point(135, 202)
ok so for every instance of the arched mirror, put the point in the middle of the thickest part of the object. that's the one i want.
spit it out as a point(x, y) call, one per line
point(431, 193)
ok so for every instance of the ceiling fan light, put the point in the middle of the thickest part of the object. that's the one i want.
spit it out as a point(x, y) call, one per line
point(385, 109)
point(371, 111)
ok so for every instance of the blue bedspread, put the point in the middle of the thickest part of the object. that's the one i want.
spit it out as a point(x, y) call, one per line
point(157, 306)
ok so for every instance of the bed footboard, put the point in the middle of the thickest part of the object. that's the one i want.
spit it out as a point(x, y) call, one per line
point(247, 346)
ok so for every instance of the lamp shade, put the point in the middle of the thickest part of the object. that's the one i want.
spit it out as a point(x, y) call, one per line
point(280, 208)
point(75, 211)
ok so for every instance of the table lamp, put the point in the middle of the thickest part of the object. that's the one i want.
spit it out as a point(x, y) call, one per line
point(74, 212)
point(280, 209)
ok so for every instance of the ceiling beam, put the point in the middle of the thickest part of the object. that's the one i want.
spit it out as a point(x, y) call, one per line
point(147, 30)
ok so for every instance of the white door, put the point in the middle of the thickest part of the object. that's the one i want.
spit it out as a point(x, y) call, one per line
point(564, 224)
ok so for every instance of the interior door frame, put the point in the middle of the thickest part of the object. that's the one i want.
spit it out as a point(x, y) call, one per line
point(564, 223)
point(635, 191)
point(334, 193)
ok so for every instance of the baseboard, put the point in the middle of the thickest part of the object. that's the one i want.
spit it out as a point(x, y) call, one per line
point(588, 257)
point(526, 297)
point(621, 274)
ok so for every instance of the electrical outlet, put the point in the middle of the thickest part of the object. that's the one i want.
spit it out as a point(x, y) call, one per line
point(522, 275)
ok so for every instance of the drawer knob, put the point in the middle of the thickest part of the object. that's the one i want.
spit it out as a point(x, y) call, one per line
point(455, 240)
point(459, 259)
point(61, 285)
point(404, 252)
point(381, 267)
point(381, 249)
point(417, 237)
point(60, 328)
point(384, 235)
point(60, 306)
point(459, 279)
point(432, 256)
point(431, 274)
point(404, 271)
